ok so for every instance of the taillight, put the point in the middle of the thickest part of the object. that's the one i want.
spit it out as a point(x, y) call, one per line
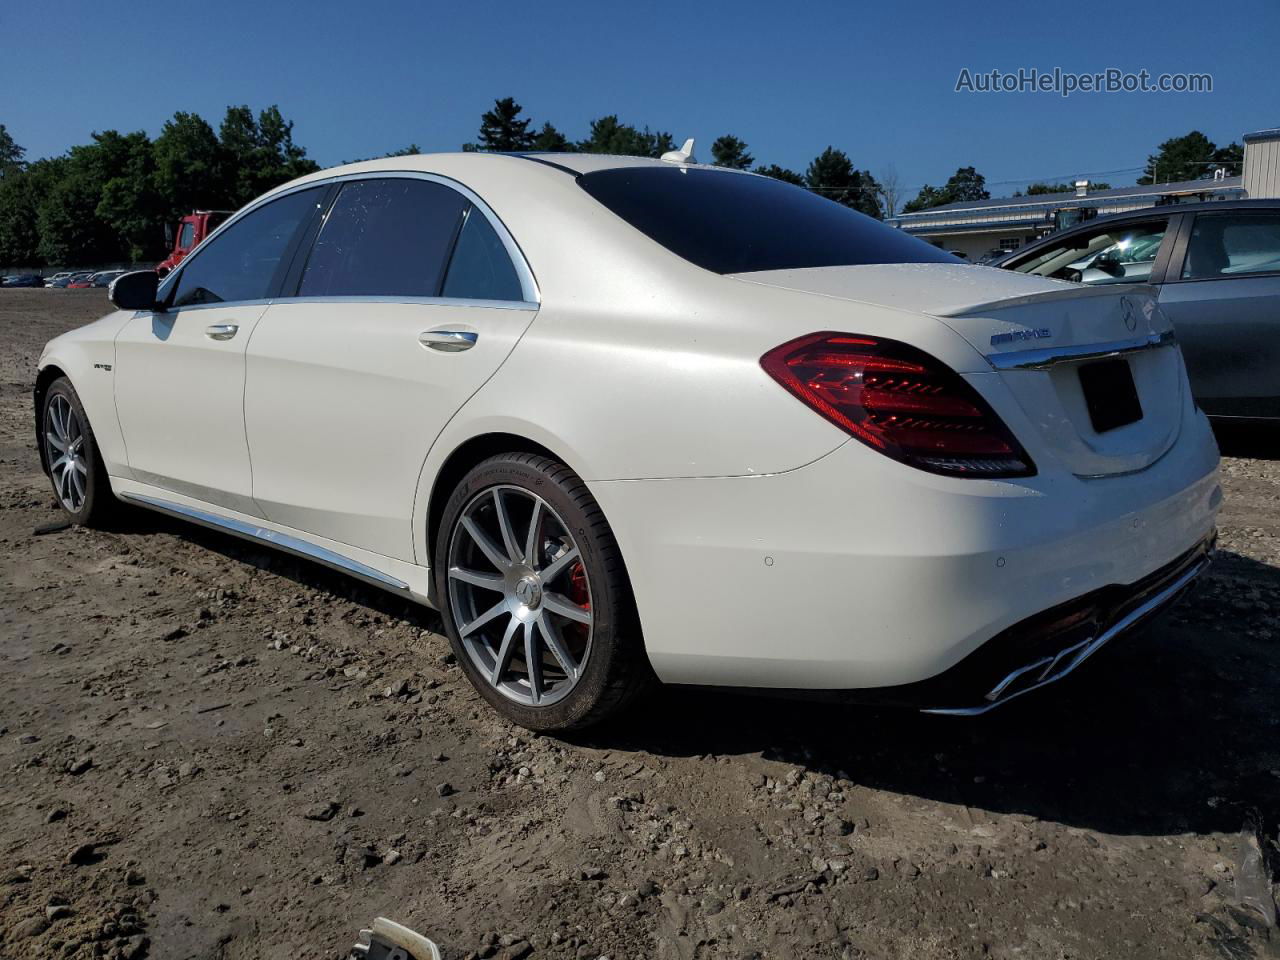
point(900, 401)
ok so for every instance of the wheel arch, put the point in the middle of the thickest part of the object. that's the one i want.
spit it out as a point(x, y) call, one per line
point(44, 378)
point(465, 456)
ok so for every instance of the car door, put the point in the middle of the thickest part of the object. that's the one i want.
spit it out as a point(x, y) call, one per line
point(1223, 295)
point(1125, 252)
point(180, 370)
point(410, 298)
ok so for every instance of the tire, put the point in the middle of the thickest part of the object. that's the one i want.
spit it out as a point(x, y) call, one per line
point(81, 488)
point(557, 562)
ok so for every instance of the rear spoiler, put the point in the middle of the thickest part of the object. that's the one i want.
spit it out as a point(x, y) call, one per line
point(1068, 291)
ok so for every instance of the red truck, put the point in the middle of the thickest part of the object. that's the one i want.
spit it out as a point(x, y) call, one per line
point(192, 229)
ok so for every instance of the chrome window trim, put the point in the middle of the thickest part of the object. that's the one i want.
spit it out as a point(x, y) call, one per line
point(423, 301)
point(528, 282)
point(272, 538)
point(1048, 357)
point(210, 306)
point(408, 301)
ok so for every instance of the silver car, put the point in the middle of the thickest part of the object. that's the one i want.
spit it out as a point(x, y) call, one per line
point(1217, 268)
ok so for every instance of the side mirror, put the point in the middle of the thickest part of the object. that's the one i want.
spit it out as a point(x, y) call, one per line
point(1109, 264)
point(135, 291)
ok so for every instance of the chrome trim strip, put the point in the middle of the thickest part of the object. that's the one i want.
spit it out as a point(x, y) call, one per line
point(1048, 357)
point(281, 541)
point(1167, 595)
point(424, 301)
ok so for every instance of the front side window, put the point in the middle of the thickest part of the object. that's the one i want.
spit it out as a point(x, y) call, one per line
point(186, 236)
point(738, 223)
point(1123, 253)
point(387, 238)
point(1231, 245)
point(243, 261)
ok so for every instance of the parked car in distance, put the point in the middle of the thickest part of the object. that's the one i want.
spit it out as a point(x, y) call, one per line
point(64, 280)
point(1216, 267)
point(23, 280)
point(103, 278)
point(83, 282)
point(620, 418)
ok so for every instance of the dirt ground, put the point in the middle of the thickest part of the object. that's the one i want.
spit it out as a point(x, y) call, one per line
point(212, 751)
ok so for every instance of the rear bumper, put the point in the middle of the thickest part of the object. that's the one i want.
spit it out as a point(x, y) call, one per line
point(1048, 647)
point(856, 574)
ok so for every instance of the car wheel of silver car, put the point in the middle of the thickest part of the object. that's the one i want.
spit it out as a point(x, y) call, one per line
point(534, 595)
point(75, 467)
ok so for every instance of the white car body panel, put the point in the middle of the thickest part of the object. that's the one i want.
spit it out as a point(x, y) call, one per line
point(765, 547)
point(314, 375)
point(179, 395)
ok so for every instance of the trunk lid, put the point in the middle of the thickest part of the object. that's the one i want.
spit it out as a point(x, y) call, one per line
point(1092, 368)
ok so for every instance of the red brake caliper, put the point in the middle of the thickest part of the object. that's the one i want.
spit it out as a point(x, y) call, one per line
point(580, 595)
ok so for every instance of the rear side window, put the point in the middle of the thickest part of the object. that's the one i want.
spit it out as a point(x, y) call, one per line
point(481, 269)
point(1232, 245)
point(384, 238)
point(241, 263)
point(736, 223)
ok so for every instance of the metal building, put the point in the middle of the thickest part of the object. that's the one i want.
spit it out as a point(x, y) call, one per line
point(976, 229)
point(1262, 163)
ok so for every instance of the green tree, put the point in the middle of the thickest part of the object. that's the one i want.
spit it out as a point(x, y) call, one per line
point(71, 231)
point(929, 196)
point(729, 151)
point(10, 153)
point(833, 175)
point(130, 203)
point(20, 193)
point(502, 129)
point(1188, 157)
point(409, 151)
point(1040, 189)
point(190, 167)
point(609, 135)
point(781, 173)
point(551, 140)
point(1231, 156)
point(255, 155)
point(966, 184)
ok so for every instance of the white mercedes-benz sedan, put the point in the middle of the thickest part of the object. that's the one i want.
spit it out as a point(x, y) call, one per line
point(624, 419)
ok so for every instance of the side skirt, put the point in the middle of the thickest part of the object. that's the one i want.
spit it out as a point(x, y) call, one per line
point(266, 536)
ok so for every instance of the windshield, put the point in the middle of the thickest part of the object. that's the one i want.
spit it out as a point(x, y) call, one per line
point(736, 223)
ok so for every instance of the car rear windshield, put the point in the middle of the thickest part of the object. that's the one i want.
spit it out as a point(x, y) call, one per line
point(733, 223)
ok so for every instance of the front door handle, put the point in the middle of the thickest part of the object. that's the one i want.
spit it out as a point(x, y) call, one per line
point(448, 341)
point(221, 331)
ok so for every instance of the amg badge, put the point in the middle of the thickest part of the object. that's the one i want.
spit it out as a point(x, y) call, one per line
point(1040, 333)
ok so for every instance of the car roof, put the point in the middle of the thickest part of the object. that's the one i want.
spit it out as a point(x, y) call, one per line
point(573, 164)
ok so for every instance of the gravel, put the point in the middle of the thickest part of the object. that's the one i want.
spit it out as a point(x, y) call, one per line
point(140, 667)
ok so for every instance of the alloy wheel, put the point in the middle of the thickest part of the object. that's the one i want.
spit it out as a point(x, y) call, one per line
point(64, 444)
point(520, 595)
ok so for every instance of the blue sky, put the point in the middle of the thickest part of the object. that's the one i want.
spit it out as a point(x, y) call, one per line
point(875, 79)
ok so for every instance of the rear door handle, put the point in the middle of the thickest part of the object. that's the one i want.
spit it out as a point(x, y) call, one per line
point(221, 331)
point(448, 341)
